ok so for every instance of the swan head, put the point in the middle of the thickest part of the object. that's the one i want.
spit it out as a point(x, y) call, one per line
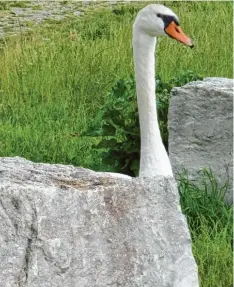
point(158, 20)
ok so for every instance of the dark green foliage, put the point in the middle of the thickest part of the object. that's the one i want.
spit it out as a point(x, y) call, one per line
point(118, 124)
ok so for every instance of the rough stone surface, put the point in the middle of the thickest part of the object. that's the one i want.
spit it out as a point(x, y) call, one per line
point(63, 226)
point(200, 123)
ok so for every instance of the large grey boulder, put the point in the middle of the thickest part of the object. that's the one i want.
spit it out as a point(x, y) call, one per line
point(200, 123)
point(63, 226)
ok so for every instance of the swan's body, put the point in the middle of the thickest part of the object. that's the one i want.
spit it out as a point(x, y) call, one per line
point(154, 20)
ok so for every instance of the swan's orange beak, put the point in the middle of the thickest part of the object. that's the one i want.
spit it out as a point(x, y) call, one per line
point(175, 32)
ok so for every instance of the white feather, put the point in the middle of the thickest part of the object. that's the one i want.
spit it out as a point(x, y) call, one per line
point(154, 159)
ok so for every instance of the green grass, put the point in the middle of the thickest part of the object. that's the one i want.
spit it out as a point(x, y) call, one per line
point(6, 5)
point(210, 222)
point(54, 79)
point(214, 257)
point(19, 4)
point(37, 7)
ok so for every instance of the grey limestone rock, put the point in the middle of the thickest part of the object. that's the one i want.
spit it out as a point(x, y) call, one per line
point(63, 226)
point(200, 123)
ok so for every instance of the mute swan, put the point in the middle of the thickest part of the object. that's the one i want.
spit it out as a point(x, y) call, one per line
point(153, 20)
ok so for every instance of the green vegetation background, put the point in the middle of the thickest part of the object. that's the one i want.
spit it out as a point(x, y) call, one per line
point(53, 81)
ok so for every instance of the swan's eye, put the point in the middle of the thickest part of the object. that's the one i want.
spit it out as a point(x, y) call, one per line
point(159, 15)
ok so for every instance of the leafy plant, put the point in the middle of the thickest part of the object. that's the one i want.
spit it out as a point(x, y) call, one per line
point(117, 123)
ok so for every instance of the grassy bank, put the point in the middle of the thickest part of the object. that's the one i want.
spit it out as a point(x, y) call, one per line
point(54, 79)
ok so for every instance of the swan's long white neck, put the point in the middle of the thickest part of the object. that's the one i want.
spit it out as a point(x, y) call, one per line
point(154, 159)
